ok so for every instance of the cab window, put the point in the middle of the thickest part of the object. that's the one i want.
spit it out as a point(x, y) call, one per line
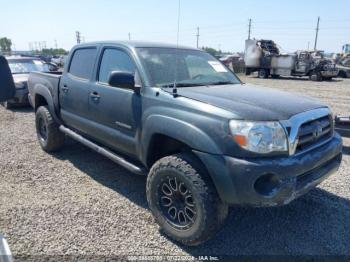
point(114, 60)
point(82, 62)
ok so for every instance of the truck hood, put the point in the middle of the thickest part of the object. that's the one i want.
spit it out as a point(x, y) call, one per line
point(252, 102)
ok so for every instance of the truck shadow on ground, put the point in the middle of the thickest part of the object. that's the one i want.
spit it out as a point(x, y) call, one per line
point(317, 223)
point(19, 109)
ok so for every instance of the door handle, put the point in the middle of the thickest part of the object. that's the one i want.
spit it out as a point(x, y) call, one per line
point(65, 88)
point(95, 96)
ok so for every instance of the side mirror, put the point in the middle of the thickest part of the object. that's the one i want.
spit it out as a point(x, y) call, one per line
point(123, 80)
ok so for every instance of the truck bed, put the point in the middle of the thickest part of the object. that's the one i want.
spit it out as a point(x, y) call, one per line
point(47, 80)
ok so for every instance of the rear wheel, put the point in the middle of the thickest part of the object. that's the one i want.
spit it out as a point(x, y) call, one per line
point(183, 199)
point(247, 71)
point(342, 74)
point(50, 137)
point(263, 73)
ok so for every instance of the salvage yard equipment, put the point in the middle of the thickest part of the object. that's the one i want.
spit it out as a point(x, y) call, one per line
point(264, 57)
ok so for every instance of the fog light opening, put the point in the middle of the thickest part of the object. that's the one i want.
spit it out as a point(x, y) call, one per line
point(267, 185)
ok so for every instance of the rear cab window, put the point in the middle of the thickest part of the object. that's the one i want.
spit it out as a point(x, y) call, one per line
point(82, 62)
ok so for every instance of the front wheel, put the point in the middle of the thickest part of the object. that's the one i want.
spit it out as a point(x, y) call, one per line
point(183, 199)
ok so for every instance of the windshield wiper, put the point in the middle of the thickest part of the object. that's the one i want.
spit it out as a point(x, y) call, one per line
point(182, 85)
point(221, 83)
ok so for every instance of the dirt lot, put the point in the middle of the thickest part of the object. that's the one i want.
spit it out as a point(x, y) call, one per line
point(78, 202)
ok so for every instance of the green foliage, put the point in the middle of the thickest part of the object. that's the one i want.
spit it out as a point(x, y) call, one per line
point(212, 51)
point(5, 44)
point(52, 51)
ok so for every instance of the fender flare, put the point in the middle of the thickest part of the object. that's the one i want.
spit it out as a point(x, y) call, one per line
point(177, 129)
point(44, 92)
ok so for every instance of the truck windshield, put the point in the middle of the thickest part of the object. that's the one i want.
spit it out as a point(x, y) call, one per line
point(25, 66)
point(194, 68)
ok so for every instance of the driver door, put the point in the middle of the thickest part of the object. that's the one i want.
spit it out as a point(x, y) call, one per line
point(115, 111)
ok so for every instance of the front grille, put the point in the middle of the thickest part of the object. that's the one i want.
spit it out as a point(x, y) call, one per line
point(314, 132)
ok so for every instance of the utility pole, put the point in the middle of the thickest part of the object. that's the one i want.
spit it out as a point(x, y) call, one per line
point(249, 28)
point(129, 35)
point(78, 37)
point(317, 29)
point(197, 36)
point(308, 46)
point(56, 44)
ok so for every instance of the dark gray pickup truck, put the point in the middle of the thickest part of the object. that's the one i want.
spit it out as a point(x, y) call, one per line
point(204, 139)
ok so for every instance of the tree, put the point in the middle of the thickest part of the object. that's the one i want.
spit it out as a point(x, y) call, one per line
point(5, 44)
point(212, 51)
point(51, 51)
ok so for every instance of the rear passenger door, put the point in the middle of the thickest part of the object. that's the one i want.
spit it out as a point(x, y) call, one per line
point(115, 110)
point(74, 90)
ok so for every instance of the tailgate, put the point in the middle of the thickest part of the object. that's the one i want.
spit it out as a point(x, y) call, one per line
point(7, 85)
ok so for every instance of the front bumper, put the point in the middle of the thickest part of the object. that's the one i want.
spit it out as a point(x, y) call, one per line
point(20, 98)
point(272, 181)
point(330, 73)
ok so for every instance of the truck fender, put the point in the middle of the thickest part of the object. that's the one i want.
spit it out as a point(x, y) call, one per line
point(177, 129)
point(44, 92)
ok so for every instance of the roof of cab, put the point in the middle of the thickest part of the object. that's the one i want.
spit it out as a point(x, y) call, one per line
point(136, 44)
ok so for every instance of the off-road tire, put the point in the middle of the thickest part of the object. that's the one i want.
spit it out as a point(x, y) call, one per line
point(54, 138)
point(212, 212)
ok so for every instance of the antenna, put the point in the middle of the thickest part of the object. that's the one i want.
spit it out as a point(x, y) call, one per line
point(177, 47)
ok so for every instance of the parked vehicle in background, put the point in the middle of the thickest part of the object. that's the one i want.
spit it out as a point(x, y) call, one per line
point(205, 139)
point(59, 60)
point(264, 57)
point(229, 59)
point(20, 68)
point(344, 68)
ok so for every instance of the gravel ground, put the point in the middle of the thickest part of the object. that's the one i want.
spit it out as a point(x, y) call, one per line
point(78, 202)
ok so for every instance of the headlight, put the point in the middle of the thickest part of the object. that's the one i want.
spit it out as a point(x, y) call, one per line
point(259, 137)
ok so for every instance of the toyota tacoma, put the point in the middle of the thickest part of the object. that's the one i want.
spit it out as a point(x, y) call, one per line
point(204, 139)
